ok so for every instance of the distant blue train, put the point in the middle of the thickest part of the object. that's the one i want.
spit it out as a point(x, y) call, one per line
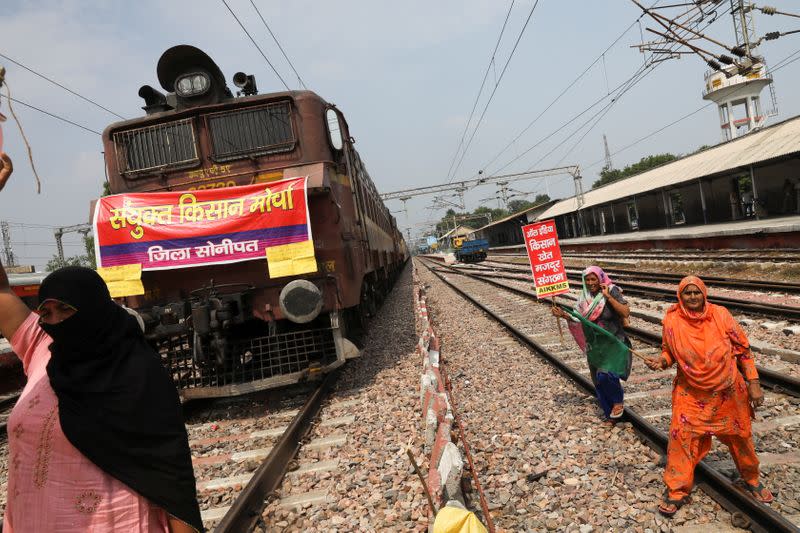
point(472, 251)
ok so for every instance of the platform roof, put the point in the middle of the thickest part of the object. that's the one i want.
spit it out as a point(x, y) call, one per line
point(460, 231)
point(779, 140)
point(542, 206)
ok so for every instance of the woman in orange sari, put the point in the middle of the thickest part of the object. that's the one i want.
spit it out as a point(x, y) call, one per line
point(714, 392)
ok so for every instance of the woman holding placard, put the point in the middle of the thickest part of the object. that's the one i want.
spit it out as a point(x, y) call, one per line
point(601, 303)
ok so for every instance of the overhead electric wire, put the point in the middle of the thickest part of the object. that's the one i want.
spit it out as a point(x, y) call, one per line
point(279, 45)
point(782, 63)
point(480, 91)
point(627, 85)
point(785, 61)
point(20, 102)
point(61, 86)
point(566, 89)
point(564, 92)
point(652, 133)
point(256, 45)
point(636, 77)
point(604, 112)
point(496, 85)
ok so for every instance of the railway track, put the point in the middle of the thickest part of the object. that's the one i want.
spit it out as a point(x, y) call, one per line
point(670, 255)
point(666, 277)
point(772, 379)
point(777, 311)
point(648, 401)
point(243, 448)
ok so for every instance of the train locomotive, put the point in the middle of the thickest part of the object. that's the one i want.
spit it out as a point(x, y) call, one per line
point(230, 329)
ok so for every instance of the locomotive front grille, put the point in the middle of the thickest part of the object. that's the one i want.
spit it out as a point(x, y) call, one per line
point(250, 360)
point(159, 146)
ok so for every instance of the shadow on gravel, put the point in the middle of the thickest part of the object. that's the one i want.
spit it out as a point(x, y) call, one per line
point(391, 337)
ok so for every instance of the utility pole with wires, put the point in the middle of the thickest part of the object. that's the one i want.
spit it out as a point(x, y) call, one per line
point(738, 72)
point(83, 229)
point(8, 252)
point(609, 165)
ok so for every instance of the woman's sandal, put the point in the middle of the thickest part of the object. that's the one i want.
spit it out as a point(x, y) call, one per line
point(758, 491)
point(617, 411)
point(669, 507)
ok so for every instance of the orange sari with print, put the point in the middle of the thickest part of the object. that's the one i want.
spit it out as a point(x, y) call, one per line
point(709, 396)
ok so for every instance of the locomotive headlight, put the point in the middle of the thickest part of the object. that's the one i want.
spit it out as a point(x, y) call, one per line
point(300, 301)
point(192, 84)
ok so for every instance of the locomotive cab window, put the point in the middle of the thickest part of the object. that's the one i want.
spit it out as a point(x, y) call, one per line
point(334, 131)
point(255, 131)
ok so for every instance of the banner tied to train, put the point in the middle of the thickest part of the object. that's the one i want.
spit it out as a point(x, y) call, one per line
point(168, 230)
point(544, 254)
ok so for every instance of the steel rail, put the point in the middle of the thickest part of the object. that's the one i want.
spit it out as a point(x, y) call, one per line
point(247, 508)
point(769, 378)
point(726, 493)
point(666, 256)
point(768, 310)
point(734, 283)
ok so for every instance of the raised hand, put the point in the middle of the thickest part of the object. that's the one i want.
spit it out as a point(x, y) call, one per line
point(604, 290)
point(6, 169)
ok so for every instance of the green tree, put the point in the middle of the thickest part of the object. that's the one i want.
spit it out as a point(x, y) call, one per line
point(515, 206)
point(84, 260)
point(646, 163)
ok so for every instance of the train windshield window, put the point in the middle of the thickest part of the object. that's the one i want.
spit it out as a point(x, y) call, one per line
point(255, 131)
point(153, 147)
point(333, 129)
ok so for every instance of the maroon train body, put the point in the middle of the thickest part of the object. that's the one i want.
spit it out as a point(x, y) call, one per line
point(230, 329)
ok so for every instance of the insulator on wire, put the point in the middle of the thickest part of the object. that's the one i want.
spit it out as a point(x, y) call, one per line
point(714, 65)
point(739, 51)
point(768, 10)
point(725, 60)
point(771, 36)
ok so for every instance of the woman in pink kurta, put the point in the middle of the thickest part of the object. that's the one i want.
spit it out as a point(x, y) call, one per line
point(97, 440)
point(46, 472)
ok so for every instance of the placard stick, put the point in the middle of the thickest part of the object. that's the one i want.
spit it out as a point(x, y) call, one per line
point(637, 354)
point(558, 322)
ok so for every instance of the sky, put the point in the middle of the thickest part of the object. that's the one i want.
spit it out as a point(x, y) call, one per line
point(405, 74)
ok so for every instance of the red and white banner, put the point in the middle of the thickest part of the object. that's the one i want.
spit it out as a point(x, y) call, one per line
point(544, 253)
point(166, 230)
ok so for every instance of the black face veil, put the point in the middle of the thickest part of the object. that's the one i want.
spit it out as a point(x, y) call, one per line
point(117, 405)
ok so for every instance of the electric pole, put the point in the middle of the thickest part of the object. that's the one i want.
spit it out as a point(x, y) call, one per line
point(8, 252)
point(609, 165)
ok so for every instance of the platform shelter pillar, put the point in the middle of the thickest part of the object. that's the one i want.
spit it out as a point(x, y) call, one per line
point(703, 202)
point(755, 192)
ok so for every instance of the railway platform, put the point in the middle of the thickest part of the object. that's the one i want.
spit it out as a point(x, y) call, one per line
point(781, 232)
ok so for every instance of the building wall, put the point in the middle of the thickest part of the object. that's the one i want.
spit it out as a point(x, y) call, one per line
point(723, 202)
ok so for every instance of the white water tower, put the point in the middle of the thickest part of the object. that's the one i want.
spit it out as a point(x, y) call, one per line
point(736, 92)
point(738, 99)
